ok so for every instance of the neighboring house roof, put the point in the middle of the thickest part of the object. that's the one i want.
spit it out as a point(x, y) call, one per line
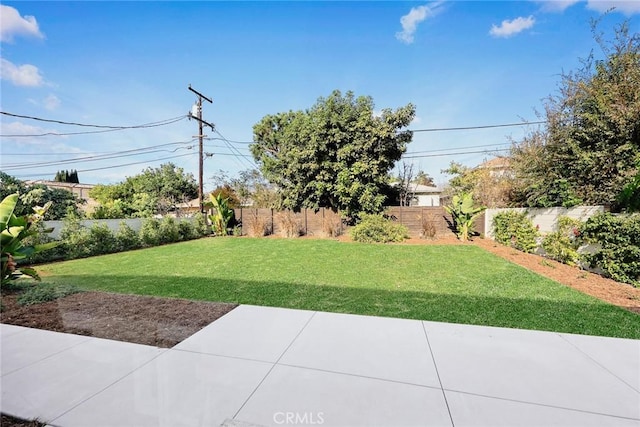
point(195, 203)
point(420, 189)
point(56, 184)
point(499, 163)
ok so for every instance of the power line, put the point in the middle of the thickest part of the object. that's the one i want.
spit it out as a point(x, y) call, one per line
point(115, 129)
point(144, 125)
point(98, 152)
point(112, 155)
point(111, 167)
point(72, 161)
point(478, 127)
point(454, 154)
point(239, 155)
point(457, 148)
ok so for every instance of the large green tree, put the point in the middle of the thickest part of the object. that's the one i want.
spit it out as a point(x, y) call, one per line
point(155, 190)
point(337, 154)
point(590, 148)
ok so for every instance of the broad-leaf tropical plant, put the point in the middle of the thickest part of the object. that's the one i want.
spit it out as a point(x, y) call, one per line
point(13, 231)
point(463, 213)
point(223, 216)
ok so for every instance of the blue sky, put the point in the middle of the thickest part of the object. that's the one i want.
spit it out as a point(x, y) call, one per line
point(462, 63)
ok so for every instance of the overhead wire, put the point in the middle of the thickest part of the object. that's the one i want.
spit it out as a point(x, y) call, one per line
point(107, 156)
point(112, 167)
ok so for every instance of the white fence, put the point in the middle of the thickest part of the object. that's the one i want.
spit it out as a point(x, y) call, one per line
point(545, 218)
point(113, 224)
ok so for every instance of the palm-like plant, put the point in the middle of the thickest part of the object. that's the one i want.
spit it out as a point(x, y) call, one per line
point(223, 216)
point(464, 213)
point(13, 231)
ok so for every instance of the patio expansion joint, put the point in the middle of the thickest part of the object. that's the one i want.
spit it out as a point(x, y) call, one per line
point(598, 363)
point(274, 365)
point(359, 376)
point(435, 366)
point(226, 356)
point(540, 404)
point(87, 339)
point(51, 422)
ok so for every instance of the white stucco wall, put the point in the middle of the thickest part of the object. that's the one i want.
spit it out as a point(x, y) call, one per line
point(546, 218)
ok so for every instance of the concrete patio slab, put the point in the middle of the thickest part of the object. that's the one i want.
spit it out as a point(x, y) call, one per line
point(469, 410)
point(619, 356)
point(8, 330)
point(52, 386)
point(250, 332)
point(178, 388)
point(376, 347)
point(22, 347)
point(527, 366)
point(299, 396)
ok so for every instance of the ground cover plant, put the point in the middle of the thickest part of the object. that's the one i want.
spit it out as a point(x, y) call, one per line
point(457, 283)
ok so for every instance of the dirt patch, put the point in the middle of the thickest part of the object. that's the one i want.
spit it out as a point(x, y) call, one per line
point(620, 294)
point(161, 322)
point(9, 421)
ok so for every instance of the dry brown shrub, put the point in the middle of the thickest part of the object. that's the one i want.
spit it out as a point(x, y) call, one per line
point(429, 229)
point(288, 224)
point(255, 225)
point(332, 224)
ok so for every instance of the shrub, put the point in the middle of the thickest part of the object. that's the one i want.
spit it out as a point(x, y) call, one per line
point(515, 229)
point(331, 223)
point(254, 225)
point(44, 292)
point(101, 240)
point(186, 230)
point(56, 253)
point(127, 238)
point(288, 223)
point(378, 229)
point(562, 244)
point(168, 230)
point(76, 238)
point(428, 230)
point(618, 237)
point(200, 225)
point(150, 232)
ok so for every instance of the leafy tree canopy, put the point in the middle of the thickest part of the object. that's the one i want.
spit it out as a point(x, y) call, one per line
point(155, 190)
point(337, 154)
point(250, 188)
point(590, 148)
point(63, 201)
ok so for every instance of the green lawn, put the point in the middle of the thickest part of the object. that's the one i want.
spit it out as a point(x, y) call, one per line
point(461, 284)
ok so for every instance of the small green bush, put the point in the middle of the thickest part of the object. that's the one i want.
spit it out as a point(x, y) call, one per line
point(200, 225)
point(150, 232)
point(76, 238)
point(101, 240)
point(378, 229)
point(168, 230)
point(127, 238)
point(186, 230)
point(562, 244)
point(618, 237)
point(515, 229)
point(44, 292)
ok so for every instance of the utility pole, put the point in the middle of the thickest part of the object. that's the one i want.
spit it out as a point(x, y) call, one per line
point(198, 118)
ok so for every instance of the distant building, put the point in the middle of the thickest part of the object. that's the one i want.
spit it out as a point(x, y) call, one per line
point(498, 166)
point(422, 195)
point(80, 190)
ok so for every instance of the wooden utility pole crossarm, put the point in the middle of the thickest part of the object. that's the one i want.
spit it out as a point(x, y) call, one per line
point(198, 118)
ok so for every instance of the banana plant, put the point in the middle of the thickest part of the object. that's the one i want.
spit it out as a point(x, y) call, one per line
point(13, 231)
point(463, 213)
point(223, 216)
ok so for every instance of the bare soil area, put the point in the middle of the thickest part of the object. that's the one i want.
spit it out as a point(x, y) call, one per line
point(161, 322)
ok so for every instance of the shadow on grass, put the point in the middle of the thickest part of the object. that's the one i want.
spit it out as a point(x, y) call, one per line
point(588, 316)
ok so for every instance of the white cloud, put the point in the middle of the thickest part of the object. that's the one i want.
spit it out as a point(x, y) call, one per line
point(20, 75)
point(51, 102)
point(415, 16)
point(628, 7)
point(556, 5)
point(508, 28)
point(12, 24)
